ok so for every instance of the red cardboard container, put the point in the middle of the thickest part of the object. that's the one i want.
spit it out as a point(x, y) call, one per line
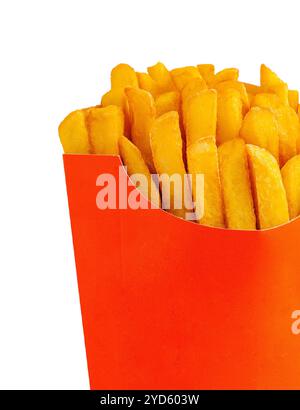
point(170, 304)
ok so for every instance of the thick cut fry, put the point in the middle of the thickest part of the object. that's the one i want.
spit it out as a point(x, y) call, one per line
point(73, 133)
point(293, 99)
point(270, 82)
point(228, 74)
point(123, 76)
point(166, 102)
point(230, 115)
point(147, 83)
point(235, 183)
point(166, 144)
point(161, 75)
point(224, 85)
point(291, 181)
point(202, 158)
point(266, 100)
point(192, 87)
point(132, 158)
point(288, 125)
point(207, 72)
point(105, 126)
point(252, 88)
point(142, 114)
point(182, 75)
point(116, 96)
point(289, 133)
point(268, 190)
point(200, 115)
point(260, 128)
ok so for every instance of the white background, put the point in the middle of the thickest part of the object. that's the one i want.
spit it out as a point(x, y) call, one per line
point(56, 56)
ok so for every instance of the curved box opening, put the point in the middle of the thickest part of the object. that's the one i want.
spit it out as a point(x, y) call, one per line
point(170, 304)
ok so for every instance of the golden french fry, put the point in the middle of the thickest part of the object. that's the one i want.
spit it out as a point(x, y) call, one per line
point(291, 181)
point(293, 96)
point(142, 114)
point(207, 72)
point(169, 101)
point(266, 100)
point(73, 133)
point(224, 85)
point(229, 115)
point(116, 96)
point(123, 76)
point(268, 190)
point(147, 83)
point(200, 115)
point(260, 128)
point(289, 133)
point(252, 88)
point(161, 75)
point(105, 126)
point(132, 158)
point(166, 144)
point(235, 183)
point(182, 75)
point(270, 82)
point(228, 74)
point(192, 87)
point(202, 158)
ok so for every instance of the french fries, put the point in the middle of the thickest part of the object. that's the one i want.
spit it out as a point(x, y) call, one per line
point(202, 158)
point(200, 115)
point(166, 145)
point(236, 188)
point(242, 139)
point(260, 128)
point(142, 113)
point(229, 115)
point(291, 177)
point(132, 158)
point(162, 77)
point(268, 190)
point(105, 126)
point(73, 133)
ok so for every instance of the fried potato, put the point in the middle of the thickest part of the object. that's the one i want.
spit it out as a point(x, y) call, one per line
point(161, 75)
point(228, 74)
point(202, 158)
point(235, 183)
point(166, 144)
point(147, 83)
point(293, 96)
point(224, 85)
point(182, 75)
point(230, 115)
point(169, 101)
point(266, 100)
point(105, 126)
point(252, 88)
point(73, 133)
point(291, 181)
point(267, 186)
point(260, 128)
point(133, 160)
point(116, 96)
point(192, 87)
point(207, 71)
point(289, 133)
point(142, 113)
point(270, 82)
point(200, 115)
point(123, 76)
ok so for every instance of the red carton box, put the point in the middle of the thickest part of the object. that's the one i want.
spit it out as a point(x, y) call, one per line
point(170, 304)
